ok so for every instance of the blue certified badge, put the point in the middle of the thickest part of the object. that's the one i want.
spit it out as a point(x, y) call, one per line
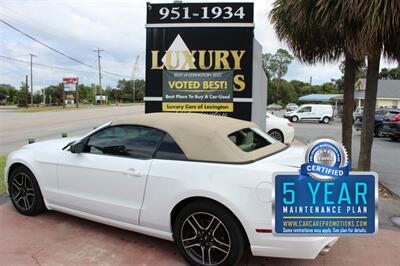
point(325, 160)
point(324, 198)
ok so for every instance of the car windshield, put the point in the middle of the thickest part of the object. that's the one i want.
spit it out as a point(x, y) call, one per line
point(251, 139)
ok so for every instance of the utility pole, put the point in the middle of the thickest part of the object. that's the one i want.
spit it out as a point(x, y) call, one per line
point(26, 91)
point(32, 55)
point(310, 80)
point(98, 50)
point(134, 78)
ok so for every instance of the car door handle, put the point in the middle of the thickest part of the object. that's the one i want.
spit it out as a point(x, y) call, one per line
point(133, 172)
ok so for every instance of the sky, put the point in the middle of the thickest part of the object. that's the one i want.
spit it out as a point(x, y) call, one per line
point(77, 27)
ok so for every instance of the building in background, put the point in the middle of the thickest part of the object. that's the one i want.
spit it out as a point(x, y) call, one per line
point(388, 93)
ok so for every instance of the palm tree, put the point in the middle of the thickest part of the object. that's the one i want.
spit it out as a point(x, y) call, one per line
point(319, 30)
point(309, 33)
point(376, 26)
point(381, 31)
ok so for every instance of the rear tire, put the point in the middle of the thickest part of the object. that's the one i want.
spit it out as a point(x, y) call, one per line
point(208, 234)
point(326, 120)
point(277, 134)
point(25, 193)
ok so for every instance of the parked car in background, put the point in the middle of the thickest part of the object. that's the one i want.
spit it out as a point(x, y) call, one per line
point(190, 178)
point(291, 106)
point(274, 107)
point(379, 116)
point(391, 125)
point(279, 128)
point(358, 111)
point(322, 113)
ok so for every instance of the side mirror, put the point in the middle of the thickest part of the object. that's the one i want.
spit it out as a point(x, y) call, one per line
point(77, 147)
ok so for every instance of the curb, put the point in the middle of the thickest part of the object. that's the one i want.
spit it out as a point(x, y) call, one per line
point(4, 198)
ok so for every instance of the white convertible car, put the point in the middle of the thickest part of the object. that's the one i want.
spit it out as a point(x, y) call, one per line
point(200, 180)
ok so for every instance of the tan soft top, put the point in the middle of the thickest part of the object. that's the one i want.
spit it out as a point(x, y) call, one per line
point(203, 137)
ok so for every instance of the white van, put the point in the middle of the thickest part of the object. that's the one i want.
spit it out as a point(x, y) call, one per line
point(322, 113)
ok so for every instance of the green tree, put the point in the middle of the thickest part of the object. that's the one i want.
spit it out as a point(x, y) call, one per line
point(308, 30)
point(127, 87)
point(390, 73)
point(54, 94)
point(10, 91)
point(22, 97)
point(276, 65)
point(37, 97)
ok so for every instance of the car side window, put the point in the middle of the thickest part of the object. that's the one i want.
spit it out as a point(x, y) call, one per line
point(305, 109)
point(250, 139)
point(129, 141)
point(169, 150)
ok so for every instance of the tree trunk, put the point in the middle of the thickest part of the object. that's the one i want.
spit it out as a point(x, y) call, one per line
point(350, 67)
point(368, 125)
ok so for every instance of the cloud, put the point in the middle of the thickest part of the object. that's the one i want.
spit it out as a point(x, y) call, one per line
point(118, 27)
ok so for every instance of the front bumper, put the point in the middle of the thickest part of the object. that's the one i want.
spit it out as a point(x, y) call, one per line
point(391, 131)
point(301, 247)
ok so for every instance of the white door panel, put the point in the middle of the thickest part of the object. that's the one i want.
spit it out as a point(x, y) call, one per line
point(104, 185)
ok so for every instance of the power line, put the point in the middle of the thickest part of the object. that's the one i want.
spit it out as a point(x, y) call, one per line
point(57, 51)
point(42, 43)
point(55, 67)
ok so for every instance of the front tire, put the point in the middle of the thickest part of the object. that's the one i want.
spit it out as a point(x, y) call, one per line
point(25, 193)
point(294, 119)
point(207, 234)
point(378, 131)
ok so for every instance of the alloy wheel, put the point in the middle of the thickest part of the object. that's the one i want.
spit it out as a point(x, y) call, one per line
point(22, 191)
point(379, 132)
point(276, 135)
point(205, 238)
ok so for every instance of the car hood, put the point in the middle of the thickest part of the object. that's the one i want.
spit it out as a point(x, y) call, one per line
point(54, 144)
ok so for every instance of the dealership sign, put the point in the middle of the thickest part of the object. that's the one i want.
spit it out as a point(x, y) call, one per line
point(324, 198)
point(70, 83)
point(197, 91)
point(199, 58)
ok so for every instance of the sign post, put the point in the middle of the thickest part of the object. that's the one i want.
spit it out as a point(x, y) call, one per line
point(199, 58)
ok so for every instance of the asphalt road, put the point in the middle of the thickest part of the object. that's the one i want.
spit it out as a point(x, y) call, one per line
point(385, 152)
point(17, 127)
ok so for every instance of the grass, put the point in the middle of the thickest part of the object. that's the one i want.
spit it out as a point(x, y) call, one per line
point(42, 108)
point(3, 159)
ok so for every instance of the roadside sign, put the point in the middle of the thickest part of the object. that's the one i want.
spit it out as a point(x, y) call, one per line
point(199, 58)
point(345, 206)
point(70, 83)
